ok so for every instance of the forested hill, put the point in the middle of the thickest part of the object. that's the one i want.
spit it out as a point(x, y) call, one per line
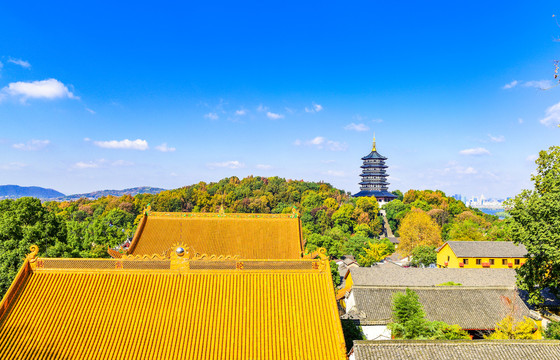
point(15, 191)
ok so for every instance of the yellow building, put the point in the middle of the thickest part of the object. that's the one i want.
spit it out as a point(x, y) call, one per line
point(185, 306)
point(249, 236)
point(481, 254)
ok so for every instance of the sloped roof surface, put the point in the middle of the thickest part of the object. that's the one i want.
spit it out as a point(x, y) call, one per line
point(388, 274)
point(250, 236)
point(375, 193)
point(450, 350)
point(153, 309)
point(374, 155)
point(487, 249)
point(470, 308)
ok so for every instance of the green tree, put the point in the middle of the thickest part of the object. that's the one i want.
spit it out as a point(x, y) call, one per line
point(423, 255)
point(552, 331)
point(375, 251)
point(535, 220)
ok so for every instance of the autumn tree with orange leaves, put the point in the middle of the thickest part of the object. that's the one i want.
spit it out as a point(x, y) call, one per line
point(418, 228)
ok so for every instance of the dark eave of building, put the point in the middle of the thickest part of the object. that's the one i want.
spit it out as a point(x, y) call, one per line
point(374, 155)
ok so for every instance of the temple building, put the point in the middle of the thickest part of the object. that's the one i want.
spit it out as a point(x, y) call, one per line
point(374, 177)
point(247, 236)
point(176, 306)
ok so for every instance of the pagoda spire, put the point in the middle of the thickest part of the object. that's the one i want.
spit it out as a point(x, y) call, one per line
point(374, 148)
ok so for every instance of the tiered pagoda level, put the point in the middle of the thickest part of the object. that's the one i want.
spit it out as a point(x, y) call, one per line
point(374, 177)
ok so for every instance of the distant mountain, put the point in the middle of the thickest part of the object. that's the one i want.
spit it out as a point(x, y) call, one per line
point(101, 193)
point(15, 192)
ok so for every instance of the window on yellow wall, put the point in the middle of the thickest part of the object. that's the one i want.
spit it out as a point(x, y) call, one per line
point(491, 261)
point(466, 261)
point(448, 258)
point(504, 262)
point(477, 261)
point(517, 261)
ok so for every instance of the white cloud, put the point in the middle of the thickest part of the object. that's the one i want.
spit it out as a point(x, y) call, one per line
point(475, 151)
point(511, 85)
point(335, 173)
point(321, 143)
point(328, 161)
point(539, 84)
point(466, 171)
point(12, 166)
point(532, 157)
point(96, 164)
point(499, 138)
point(90, 111)
point(32, 145)
point(164, 148)
point(356, 127)
point(44, 89)
point(520, 120)
point(211, 116)
point(234, 164)
point(262, 108)
point(240, 112)
point(264, 167)
point(315, 108)
point(22, 63)
point(137, 144)
point(89, 164)
point(552, 116)
point(274, 116)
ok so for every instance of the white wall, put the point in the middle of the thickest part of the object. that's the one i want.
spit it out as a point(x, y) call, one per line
point(376, 332)
point(350, 302)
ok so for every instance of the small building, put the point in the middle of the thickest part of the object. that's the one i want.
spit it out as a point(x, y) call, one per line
point(481, 254)
point(457, 349)
point(477, 302)
point(374, 177)
point(181, 306)
point(249, 236)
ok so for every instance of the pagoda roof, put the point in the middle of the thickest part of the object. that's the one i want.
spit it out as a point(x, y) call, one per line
point(249, 236)
point(155, 307)
point(374, 155)
point(375, 193)
point(373, 166)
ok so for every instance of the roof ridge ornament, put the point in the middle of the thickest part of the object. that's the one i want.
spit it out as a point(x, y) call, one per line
point(374, 148)
point(32, 257)
point(321, 253)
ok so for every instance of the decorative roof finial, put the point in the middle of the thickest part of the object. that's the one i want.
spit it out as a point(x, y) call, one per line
point(374, 148)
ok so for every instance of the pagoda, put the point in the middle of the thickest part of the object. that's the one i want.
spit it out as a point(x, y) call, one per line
point(374, 177)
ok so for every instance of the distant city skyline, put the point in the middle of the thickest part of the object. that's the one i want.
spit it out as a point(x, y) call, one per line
point(172, 95)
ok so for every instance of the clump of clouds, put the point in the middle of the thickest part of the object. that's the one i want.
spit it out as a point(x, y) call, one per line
point(32, 145)
point(322, 143)
point(510, 85)
point(164, 148)
point(137, 144)
point(234, 164)
point(498, 139)
point(20, 62)
point(356, 127)
point(475, 152)
point(101, 163)
point(240, 112)
point(552, 116)
point(212, 116)
point(49, 89)
point(274, 116)
point(315, 108)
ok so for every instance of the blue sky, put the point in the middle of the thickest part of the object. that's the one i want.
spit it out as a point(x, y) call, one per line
point(105, 95)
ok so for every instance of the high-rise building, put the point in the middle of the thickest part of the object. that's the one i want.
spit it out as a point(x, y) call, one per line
point(374, 177)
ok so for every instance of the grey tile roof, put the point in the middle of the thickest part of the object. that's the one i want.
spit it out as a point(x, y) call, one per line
point(468, 307)
point(388, 274)
point(452, 350)
point(487, 249)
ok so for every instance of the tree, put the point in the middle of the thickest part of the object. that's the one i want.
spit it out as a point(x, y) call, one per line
point(552, 331)
point(409, 321)
point(418, 228)
point(535, 223)
point(508, 328)
point(375, 251)
point(423, 255)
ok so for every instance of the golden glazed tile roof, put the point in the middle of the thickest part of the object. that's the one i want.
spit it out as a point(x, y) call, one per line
point(249, 236)
point(177, 308)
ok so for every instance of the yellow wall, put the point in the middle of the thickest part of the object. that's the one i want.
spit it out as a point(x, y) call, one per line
point(446, 253)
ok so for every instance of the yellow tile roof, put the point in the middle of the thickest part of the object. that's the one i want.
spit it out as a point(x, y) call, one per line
point(171, 309)
point(250, 236)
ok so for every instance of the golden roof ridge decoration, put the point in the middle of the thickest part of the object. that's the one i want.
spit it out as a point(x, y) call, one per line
point(144, 257)
point(32, 257)
point(294, 214)
point(321, 253)
point(188, 253)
